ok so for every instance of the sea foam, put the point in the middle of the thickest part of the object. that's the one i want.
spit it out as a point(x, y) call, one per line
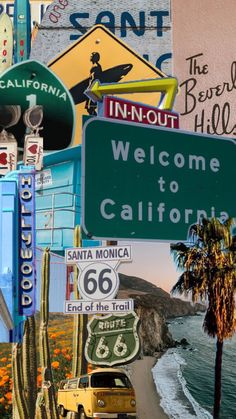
point(176, 400)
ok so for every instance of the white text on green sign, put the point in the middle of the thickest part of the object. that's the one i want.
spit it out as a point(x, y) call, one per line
point(153, 183)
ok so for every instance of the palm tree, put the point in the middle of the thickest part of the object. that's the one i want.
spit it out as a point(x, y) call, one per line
point(209, 275)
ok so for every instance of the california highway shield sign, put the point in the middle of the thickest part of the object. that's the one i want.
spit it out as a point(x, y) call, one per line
point(31, 83)
point(112, 339)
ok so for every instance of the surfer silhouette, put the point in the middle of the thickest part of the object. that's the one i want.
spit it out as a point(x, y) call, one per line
point(111, 75)
point(95, 74)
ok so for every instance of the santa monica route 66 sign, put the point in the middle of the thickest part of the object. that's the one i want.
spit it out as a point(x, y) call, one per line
point(112, 339)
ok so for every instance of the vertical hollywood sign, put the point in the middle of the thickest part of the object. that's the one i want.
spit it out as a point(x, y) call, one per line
point(27, 277)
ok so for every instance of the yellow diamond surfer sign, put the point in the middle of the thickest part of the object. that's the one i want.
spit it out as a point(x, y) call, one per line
point(100, 55)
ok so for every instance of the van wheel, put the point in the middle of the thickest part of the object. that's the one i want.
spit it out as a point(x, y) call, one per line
point(82, 415)
point(62, 411)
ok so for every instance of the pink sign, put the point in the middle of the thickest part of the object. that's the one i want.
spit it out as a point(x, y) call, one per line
point(205, 65)
point(138, 112)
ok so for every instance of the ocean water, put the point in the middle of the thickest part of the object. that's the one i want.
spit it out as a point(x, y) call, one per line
point(184, 378)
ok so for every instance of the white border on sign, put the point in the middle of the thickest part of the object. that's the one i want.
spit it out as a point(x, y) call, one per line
point(100, 254)
point(116, 362)
point(93, 307)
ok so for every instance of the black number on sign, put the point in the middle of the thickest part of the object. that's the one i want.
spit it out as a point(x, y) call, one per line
point(90, 283)
point(104, 279)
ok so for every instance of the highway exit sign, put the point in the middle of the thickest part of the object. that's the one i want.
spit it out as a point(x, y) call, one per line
point(152, 183)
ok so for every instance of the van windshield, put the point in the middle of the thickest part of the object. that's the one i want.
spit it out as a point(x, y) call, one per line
point(108, 380)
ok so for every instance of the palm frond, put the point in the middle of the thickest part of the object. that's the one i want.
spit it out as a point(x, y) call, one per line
point(208, 262)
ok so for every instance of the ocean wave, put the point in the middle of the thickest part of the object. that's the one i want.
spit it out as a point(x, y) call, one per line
point(176, 400)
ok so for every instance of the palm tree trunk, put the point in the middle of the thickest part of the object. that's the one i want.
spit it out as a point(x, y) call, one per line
point(218, 365)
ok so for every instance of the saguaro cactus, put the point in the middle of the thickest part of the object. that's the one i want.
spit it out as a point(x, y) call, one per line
point(29, 365)
point(79, 363)
point(20, 408)
point(25, 373)
point(46, 401)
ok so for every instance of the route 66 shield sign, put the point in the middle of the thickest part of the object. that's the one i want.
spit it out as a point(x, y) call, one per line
point(112, 339)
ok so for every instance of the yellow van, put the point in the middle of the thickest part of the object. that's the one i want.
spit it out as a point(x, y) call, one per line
point(103, 393)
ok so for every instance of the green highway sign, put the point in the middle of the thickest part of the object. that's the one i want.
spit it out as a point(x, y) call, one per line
point(146, 183)
point(31, 83)
point(112, 339)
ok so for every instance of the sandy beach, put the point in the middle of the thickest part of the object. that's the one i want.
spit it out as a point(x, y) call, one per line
point(148, 401)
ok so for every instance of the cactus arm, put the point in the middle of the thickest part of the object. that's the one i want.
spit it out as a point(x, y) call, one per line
point(33, 361)
point(79, 363)
point(46, 402)
point(20, 405)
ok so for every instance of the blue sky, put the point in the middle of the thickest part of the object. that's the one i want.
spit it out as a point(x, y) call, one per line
point(151, 261)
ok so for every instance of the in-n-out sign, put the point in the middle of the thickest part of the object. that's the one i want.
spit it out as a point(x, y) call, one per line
point(115, 108)
point(90, 254)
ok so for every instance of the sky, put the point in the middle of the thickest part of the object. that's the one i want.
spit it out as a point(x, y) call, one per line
point(151, 261)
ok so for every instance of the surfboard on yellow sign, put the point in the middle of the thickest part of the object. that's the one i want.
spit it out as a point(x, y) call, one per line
point(100, 55)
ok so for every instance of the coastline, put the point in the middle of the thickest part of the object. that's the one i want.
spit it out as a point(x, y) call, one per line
point(147, 398)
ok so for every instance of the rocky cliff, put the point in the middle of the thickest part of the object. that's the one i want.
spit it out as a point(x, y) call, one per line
point(153, 332)
point(153, 306)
